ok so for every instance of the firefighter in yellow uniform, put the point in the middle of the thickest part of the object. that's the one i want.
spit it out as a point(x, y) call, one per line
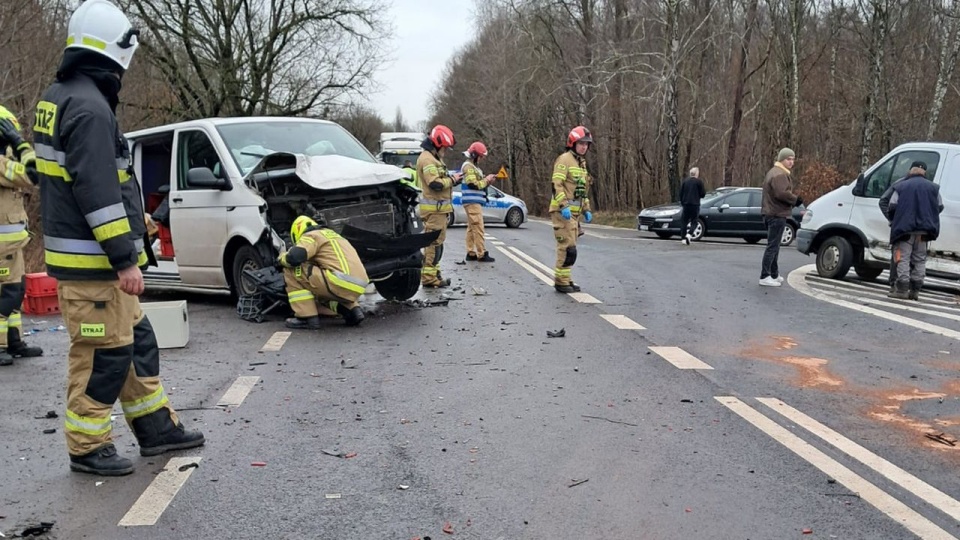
point(473, 196)
point(436, 201)
point(571, 187)
point(93, 226)
point(322, 266)
point(17, 162)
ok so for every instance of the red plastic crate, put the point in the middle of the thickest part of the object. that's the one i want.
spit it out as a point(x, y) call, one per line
point(166, 241)
point(40, 284)
point(41, 305)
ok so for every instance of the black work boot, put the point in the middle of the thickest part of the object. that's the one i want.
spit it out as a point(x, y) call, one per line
point(178, 439)
point(565, 288)
point(354, 316)
point(157, 434)
point(915, 290)
point(900, 292)
point(17, 348)
point(471, 257)
point(103, 461)
point(308, 323)
point(439, 284)
point(5, 358)
point(486, 257)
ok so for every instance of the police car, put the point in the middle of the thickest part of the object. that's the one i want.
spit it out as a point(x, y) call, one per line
point(499, 208)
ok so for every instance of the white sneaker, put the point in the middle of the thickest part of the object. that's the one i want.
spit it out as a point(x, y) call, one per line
point(686, 240)
point(779, 279)
point(769, 282)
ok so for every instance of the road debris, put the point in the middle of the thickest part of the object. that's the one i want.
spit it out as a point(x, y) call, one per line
point(188, 466)
point(609, 420)
point(259, 464)
point(258, 363)
point(578, 482)
point(448, 528)
point(808, 531)
point(403, 487)
point(333, 496)
point(557, 333)
point(419, 304)
point(350, 455)
point(479, 291)
point(49, 431)
point(942, 438)
point(36, 530)
point(50, 414)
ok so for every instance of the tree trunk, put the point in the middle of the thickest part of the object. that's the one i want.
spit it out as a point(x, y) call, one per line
point(672, 97)
point(738, 91)
point(879, 21)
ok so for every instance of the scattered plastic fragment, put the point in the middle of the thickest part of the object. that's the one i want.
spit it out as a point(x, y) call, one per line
point(37, 530)
point(808, 531)
point(578, 482)
point(334, 453)
point(557, 333)
point(479, 291)
point(188, 466)
point(98, 484)
point(333, 496)
point(448, 528)
point(49, 431)
point(259, 464)
point(402, 487)
point(350, 455)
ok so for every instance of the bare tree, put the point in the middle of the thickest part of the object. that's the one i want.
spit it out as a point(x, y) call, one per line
point(949, 24)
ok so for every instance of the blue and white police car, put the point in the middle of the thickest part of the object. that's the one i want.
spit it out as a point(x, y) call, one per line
point(499, 208)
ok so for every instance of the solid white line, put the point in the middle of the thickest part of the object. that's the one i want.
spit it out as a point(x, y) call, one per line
point(151, 504)
point(881, 500)
point(584, 298)
point(238, 391)
point(622, 322)
point(276, 341)
point(680, 358)
point(797, 281)
point(893, 305)
point(880, 291)
point(546, 269)
point(911, 483)
point(526, 266)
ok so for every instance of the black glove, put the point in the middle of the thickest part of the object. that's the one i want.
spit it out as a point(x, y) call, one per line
point(799, 202)
point(9, 134)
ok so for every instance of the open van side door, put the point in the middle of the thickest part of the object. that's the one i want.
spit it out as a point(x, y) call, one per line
point(949, 240)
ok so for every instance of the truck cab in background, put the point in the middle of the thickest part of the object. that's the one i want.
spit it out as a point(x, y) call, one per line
point(396, 148)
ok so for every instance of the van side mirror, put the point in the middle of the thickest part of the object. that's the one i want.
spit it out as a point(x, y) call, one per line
point(861, 186)
point(203, 178)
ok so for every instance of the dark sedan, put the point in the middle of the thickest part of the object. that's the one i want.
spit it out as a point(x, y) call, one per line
point(729, 212)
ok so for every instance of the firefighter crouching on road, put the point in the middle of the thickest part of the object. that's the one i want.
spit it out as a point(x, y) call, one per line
point(16, 168)
point(322, 266)
point(93, 225)
point(473, 197)
point(436, 201)
point(571, 186)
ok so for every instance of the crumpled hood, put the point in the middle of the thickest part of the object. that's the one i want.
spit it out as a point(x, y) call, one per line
point(328, 172)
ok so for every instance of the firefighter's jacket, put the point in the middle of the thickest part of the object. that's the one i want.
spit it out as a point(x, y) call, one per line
point(325, 255)
point(93, 223)
point(13, 217)
point(474, 189)
point(436, 184)
point(571, 184)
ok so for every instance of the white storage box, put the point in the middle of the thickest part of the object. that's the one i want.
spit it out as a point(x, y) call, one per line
point(169, 321)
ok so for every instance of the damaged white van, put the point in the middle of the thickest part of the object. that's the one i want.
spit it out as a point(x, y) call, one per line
point(845, 228)
point(225, 191)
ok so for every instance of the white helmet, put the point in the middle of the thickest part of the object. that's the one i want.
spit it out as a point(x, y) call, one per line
point(100, 26)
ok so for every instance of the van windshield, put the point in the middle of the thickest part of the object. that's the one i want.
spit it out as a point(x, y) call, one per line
point(250, 141)
point(400, 158)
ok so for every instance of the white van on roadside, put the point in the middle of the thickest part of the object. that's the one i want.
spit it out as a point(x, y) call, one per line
point(845, 228)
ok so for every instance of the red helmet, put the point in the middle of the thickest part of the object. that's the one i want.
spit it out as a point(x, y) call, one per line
point(477, 149)
point(442, 137)
point(578, 134)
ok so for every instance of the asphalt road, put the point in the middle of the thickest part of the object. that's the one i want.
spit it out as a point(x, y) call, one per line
point(806, 413)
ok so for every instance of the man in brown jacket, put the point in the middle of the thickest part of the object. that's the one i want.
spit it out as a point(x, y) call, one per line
point(778, 203)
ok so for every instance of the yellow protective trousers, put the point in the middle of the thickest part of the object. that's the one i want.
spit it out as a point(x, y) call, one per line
point(475, 242)
point(11, 295)
point(433, 221)
point(565, 233)
point(304, 291)
point(113, 354)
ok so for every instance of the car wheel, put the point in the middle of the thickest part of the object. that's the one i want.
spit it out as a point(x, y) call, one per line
point(450, 219)
point(401, 285)
point(246, 258)
point(868, 273)
point(664, 235)
point(834, 258)
point(698, 231)
point(789, 234)
point(752, 239)
point(514, 218)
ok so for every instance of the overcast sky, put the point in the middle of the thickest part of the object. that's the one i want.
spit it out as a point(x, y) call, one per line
point(426, 35)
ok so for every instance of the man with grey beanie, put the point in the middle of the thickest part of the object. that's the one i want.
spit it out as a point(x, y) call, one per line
point(778, 203)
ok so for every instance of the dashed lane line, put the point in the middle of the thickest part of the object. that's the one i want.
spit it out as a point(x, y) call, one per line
point(622, 322)
point(581, 297)
point(797, 281)
point(680, 358)
point(881, 500)
point(526, 266)
point(151, 504)
point(497, 243)
point(911, 483)
point(238, 392)
point(584, 298)
point(276, 341)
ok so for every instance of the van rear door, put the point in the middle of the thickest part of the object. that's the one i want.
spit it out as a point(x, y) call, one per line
point(949, 240)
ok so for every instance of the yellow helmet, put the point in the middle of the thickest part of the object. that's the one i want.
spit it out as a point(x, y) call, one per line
point(6, 114)
point(300, 225)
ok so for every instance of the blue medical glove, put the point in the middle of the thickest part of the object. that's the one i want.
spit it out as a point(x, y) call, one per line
point(566, 213)
point(588, 216)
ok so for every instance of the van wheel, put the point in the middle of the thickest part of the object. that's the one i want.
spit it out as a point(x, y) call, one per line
point(450, 219)
point(247, 258)
point(514, 218)
point(402, 285)
point(834, 258)
point(868, 273)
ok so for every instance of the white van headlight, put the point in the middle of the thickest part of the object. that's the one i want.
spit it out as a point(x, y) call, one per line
point(807, 217)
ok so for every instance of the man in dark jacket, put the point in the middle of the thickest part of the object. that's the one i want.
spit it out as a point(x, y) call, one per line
point(691, 191)
point(885, 209)
point(914, 214)
point(93, 226)
point(778, 203)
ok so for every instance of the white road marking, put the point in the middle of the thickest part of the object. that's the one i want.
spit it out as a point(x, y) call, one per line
point(527, 267)
point(896, 305)
point(276, 341)
point(797, 281)
point(911, 483)
point(151, 504)
point(622, 322)
point(881, 500)
point(498, 243)
point(581, 297)
point(238, 391)
point(544, 268)
point(880, 291)
point(584, 298)
point(488, 237)
point(680, 358)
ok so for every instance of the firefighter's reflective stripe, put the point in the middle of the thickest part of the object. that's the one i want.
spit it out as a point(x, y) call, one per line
point(302, 295)
point(15, 320)
point(4, 325)
point(53, 163)
point(346, 281)
point(108, 222)
point(430, 205)
point(13, 233)
point(574, 205)
point(152, 402)
point(88, 41)
point(87, 424)
point(473, 196)
point(86, 254)
point(14, 169)
point(430, 270)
